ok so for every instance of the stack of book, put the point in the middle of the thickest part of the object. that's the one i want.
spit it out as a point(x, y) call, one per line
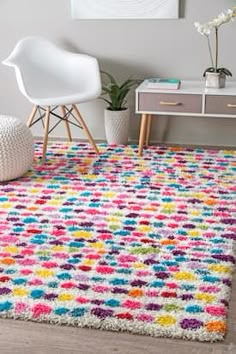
point(159, 83)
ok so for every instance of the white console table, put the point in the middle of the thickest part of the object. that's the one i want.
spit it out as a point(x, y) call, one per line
point(192, 99)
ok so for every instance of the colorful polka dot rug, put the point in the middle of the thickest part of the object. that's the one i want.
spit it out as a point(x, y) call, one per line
point(120, 242)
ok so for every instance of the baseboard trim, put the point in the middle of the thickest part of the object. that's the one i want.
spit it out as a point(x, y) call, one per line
point(131, 142)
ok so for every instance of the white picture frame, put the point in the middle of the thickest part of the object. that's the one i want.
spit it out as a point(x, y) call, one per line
point(125, 9)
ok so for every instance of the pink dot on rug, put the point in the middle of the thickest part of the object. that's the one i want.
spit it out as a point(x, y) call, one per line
point(41, 309)
point(216, 310)
point(21, 307)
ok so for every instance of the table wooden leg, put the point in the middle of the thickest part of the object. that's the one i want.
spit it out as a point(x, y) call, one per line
point(142, 134)
point(148, 129)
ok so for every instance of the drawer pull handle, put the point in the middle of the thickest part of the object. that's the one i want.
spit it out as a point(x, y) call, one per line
point(163, 103)
point(231, 105)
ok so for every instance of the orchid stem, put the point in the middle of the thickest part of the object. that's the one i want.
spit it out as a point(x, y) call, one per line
point(210, 51)
point(216, 61)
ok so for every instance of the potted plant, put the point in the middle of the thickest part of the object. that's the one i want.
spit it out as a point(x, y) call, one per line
point(215, 75)
point(117, 113)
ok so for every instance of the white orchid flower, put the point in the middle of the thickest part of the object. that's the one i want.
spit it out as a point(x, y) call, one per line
point(222, 18)
point(204, 29)
point(213, 25)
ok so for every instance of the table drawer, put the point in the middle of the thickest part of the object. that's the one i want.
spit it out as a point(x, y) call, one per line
point(220, 104)
point(169, 102)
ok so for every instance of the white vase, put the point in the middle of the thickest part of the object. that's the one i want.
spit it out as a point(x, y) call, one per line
point(117, 126)
point(215, 80)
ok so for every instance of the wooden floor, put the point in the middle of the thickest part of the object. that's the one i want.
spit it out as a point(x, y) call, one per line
point(20, 337)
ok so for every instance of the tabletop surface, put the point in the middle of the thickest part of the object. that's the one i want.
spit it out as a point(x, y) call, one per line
point(192, 87)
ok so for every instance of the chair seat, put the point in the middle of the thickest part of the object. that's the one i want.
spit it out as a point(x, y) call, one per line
point(61, 98)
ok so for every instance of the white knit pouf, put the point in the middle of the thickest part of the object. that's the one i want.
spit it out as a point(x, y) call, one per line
point(16, 148)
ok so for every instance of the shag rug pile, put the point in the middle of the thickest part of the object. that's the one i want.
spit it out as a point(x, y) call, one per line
point(121, 242)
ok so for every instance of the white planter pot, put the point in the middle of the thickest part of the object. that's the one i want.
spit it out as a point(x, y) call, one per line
point(117, 126)
point(215, 80)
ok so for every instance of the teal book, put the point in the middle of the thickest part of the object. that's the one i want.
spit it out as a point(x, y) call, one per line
point(163, 83)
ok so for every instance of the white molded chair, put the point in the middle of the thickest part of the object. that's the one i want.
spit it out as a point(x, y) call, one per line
point(51, 77)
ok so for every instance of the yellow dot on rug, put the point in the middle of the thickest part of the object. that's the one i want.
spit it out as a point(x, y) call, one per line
point(89, 262)
point(165, 320)
point(11, 249)
point(59, 248)
point(144, 228)
point(139, 265)
point(90, 176)
point(34, 190)
point(169, 205)
point(208, 298)
point(82, 234)
point(109, 194)
point(131, 179)
point(195, 212)
point(6, 205)
point(39, 179)
point(45, 273)
point(87, 161)
point(54, 202)
point(20, 292)
point(97, 245)
point(66, 297)
point(198, 195)
point(113, 219)
point(220, 268)
point(194, 233)
point(184, 276)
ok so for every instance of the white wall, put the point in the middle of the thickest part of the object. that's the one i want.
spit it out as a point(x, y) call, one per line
point(137, 48)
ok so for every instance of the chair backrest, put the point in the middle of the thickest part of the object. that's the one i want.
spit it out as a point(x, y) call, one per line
point(42, 68)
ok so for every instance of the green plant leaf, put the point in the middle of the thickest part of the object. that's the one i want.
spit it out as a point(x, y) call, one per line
point(116, 94)
point(129, 83)
point(211, 69)
point(105, 90)
point(122, 95)
point(107, 101)
point(224, 71)
point(124, 104)
point(110, 77)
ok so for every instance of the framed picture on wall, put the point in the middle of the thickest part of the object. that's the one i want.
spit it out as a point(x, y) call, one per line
point(125, 9)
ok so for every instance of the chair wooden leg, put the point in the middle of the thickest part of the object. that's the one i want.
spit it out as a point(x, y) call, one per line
point(84, 126)
point(148, 129)
point(32, 115)
point(45, 139)
point(67, 125)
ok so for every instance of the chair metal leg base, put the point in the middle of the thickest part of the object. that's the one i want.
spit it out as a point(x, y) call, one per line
point(66, 113)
